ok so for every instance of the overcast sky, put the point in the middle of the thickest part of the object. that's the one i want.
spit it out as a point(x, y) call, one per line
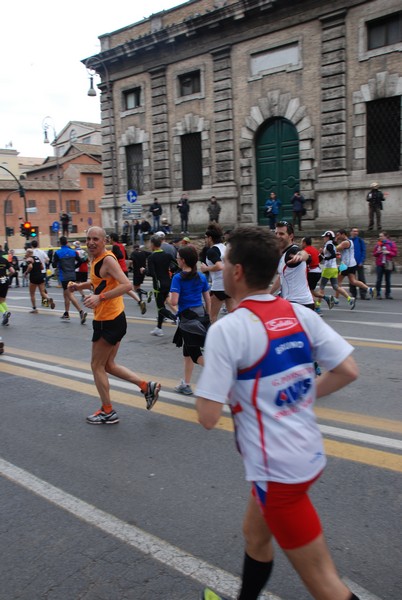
point(41, 46)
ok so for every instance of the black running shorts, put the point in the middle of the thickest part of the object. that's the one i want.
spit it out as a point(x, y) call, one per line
point(112, 331)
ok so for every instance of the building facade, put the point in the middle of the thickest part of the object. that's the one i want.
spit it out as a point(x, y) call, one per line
point(70, 182)
point(240, 98)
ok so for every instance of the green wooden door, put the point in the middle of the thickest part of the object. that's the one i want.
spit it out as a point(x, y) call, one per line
point(277, 154)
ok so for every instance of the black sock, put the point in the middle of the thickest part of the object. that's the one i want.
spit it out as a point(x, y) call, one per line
point(255, 576)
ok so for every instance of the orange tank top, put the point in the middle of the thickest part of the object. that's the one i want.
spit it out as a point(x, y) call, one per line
point(107, 310)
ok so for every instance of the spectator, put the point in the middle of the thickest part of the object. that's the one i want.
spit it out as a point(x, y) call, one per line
point(214, 209)
point(375, 198)
point(272, 209)
point(299, 211)
point(144, 229)
point(126, 237)
point(184, 209)
point(384, 251)
point(166, 227)
point(65, 224)
point(156, 211)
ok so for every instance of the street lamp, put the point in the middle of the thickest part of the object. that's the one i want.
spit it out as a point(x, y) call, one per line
point(96, 66)
point(47, 124)
point(20, 190)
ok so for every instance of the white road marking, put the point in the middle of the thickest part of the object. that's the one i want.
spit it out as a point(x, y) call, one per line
point(359, 591)
point(356, 436)
point(370, 323)
point(168, 555)
point(375, 340)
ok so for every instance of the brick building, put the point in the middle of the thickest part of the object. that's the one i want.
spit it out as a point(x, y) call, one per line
point(71, 182)
point(236, 98)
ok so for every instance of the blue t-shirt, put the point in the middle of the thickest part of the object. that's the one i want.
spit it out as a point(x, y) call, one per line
point(190, 290)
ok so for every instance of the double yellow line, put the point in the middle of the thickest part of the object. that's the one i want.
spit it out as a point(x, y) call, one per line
point(346, 451)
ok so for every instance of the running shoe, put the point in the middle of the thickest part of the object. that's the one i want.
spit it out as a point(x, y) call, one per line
point(103, 418)
point(6, 318)
point(372, 292)
point(184, 388)
point(152, 393)
point(34, 311)
point(157, 331)
point(208, 594)
point(1, 347)
point(65, 317)
point(143, 307)
point(45, 302)
point(335, 301)
point(83, 316)
point(51, 303)
point(330, 301)
point(318, 310)
point(149, 296)
point(352, 303)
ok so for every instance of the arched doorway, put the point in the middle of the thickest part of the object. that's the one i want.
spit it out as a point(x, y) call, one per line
point(277, 163)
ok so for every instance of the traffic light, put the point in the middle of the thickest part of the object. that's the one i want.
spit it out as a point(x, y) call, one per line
point(33, 232)
point(22, 229)
point(9, 231)
point(27, 229)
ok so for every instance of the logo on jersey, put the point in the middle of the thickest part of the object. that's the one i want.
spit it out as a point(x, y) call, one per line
point(281, 324)
point(294, 393)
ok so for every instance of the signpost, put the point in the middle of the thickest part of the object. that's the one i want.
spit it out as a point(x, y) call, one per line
point(132, 196)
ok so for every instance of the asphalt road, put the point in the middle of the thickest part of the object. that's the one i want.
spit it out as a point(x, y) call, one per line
point(151, 509)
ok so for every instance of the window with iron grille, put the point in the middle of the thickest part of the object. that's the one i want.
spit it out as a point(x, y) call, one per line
point(135, 168)
point(31, 203)
point(8, 207)
point(73, 206)
point(90, 183)
point(91, 206)
point(384, 135)
point(52, 206)
point(190, 83)
point(191, 161)
point(385, 31)
point(132, 98)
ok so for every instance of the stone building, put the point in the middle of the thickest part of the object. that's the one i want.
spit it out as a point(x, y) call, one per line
point(238, 98)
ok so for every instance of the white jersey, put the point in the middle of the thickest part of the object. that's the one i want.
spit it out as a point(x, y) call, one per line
point(294, 284)
point(217, 251)
point(329, 253)
point(261, 362)
point(43, 257)
point(348, 255)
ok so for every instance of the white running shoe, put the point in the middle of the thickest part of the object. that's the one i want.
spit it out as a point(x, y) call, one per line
point(157, 331)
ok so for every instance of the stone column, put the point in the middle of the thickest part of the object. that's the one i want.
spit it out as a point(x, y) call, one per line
point(333, 93)
point(223, 115)
point(160, 130)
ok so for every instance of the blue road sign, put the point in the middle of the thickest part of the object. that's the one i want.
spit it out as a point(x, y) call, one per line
point(55, 226)
point(132, 196)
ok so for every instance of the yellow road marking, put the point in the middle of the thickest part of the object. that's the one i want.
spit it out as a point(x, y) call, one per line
point(327, 414)
point(345, 451)
point(385, 345)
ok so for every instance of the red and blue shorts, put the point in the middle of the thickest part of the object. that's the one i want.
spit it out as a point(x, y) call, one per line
point(288, 512)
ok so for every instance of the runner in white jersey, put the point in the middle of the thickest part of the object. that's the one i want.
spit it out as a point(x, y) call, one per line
point(260, 360)
point(214, 266)
point(330, 272)
point(348, 266)
point(292, 268)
